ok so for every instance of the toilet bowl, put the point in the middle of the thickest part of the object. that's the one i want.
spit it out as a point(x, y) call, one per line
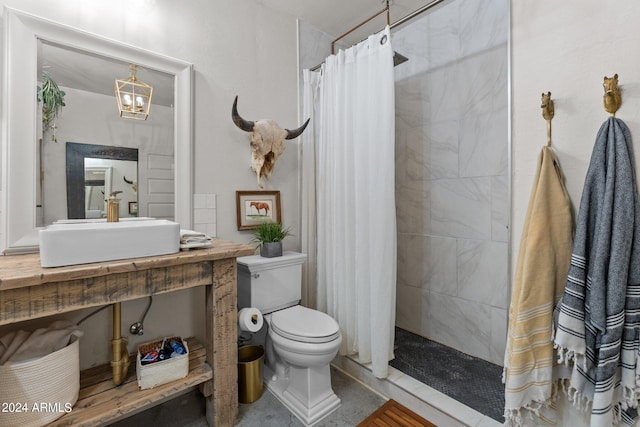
point(303, 341)
point(300, 342)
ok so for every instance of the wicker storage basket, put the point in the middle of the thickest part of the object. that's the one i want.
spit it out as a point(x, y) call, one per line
point(163, 371)
point(38, 391)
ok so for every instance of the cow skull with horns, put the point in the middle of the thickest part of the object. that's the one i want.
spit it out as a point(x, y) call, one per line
point(267, 141)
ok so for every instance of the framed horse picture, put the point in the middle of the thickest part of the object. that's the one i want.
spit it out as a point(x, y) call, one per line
point(255, 207)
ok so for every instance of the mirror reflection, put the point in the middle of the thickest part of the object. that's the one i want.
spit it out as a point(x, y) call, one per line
point(90, 116)
point(97, 183)
point(101, 177)
point(93, 172)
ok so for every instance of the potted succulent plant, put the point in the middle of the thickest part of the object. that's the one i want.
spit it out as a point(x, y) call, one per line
point(270, 235)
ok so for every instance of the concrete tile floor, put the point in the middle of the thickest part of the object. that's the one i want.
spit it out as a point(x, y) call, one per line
point(188, 410)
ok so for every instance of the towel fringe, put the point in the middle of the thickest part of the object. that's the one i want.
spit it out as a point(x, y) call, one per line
point(563, 386)
point(578, 400)
point(512, 418)
point(583, 404)
point(630, 396)
point(516, 417)
point(567, 356)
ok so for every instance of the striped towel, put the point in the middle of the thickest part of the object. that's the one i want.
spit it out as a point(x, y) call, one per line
point(541, 272)
point(599, 315)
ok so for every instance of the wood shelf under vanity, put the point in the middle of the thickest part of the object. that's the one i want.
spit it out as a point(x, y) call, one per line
point(100, 401)
point(28, 291)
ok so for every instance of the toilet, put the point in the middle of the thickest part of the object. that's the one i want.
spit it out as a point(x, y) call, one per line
point(299, 342)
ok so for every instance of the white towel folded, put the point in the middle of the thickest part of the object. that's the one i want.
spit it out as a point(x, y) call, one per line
point(193, 239)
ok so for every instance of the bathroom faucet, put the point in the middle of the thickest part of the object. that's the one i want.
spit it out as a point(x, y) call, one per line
point(113, 207)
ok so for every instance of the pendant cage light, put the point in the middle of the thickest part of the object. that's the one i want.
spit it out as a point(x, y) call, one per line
point(133, 96)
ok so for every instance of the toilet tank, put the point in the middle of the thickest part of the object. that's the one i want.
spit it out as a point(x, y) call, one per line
point(270, 284)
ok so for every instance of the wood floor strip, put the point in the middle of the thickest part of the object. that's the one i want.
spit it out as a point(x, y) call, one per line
point(393, 414)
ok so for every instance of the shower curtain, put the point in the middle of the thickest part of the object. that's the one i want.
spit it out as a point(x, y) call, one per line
point(349, 214)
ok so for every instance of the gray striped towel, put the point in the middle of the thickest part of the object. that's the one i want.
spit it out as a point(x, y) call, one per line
point(599, 313)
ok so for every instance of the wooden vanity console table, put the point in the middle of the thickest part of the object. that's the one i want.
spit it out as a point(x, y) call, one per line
point(28, 291)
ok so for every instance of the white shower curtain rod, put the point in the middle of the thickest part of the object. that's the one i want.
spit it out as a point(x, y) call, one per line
point(392, 25)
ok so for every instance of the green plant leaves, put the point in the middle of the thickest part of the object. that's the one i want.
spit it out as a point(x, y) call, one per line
point(52, 99)
point(269, 232)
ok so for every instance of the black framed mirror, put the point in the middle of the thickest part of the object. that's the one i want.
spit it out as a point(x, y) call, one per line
point(77, 157)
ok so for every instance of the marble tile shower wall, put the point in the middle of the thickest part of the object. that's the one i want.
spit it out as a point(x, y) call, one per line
point(451, 176)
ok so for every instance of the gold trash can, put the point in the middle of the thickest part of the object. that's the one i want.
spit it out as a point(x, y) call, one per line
point(250, 360)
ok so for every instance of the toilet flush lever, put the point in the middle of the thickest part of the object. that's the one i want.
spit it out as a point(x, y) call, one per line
point(256, 275)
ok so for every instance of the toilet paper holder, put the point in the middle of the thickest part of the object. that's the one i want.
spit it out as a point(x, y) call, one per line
point(250, 320)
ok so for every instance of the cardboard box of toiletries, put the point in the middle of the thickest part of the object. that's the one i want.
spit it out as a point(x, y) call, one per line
point(162, 371)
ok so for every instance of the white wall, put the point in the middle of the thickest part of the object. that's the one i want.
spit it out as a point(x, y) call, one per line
point(567, 48)
point(237, 47)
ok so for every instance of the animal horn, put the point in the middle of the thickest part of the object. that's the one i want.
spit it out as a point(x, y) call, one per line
point(127, 181)
point(296, 132)
point(243, 124)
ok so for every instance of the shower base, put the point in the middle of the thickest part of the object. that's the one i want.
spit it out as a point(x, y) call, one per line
point(467, 379)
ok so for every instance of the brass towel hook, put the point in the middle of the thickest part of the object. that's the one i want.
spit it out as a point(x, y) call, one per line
point(547, 113)
point(612, 96)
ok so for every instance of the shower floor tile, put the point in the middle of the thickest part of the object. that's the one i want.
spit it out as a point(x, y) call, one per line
point(467, 379)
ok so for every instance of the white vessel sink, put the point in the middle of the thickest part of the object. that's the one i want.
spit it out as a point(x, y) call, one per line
point(71, 243)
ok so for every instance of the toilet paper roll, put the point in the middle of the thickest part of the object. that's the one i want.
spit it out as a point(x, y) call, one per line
point(250, 319)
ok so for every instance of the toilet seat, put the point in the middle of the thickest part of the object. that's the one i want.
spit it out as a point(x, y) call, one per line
point(303, 324)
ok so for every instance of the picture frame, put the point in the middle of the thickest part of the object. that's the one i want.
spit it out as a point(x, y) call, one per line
point(255, 207)
point(133, 208)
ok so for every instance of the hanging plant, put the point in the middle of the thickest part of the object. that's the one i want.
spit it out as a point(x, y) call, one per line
point(52, 99)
